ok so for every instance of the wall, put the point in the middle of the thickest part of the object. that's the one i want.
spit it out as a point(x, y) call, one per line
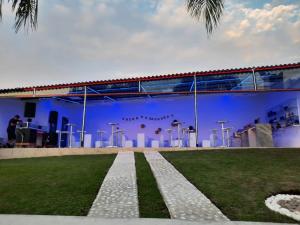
point(100, 114)
point(238, 109)
point(290, 136)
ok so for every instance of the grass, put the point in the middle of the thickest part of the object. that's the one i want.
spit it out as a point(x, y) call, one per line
point(151, 204)
point(238, 181)
point(51, 186)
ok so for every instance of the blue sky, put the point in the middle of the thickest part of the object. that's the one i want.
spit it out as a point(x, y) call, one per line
point(79, 40)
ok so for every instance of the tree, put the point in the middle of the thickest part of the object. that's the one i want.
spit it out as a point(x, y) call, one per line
point(208, 11)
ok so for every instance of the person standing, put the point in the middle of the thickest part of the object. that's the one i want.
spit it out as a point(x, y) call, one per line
point(11, 130)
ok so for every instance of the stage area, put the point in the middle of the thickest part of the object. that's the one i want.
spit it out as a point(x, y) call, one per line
point(245, 115)
point(250, 107)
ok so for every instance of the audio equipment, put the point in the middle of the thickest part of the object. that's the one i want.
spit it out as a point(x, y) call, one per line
point(30, 109)
point(53, 117)
point(53, 137)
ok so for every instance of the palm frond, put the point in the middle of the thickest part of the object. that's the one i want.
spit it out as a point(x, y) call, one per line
point(26, 13)
point(210, 11)
point(0, 10)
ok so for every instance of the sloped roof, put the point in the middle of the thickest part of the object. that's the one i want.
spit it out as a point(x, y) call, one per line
point(156, 77)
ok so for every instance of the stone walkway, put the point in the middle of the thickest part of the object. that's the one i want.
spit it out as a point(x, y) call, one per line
point(117, 197)
point(73, 220)
point(182, 198)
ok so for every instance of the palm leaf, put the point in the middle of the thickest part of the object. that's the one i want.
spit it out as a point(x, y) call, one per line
point(210, 11)
point(26, 13)
point(0, 10)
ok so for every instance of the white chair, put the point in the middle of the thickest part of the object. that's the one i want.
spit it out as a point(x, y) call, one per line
point(170, 131)
point(128, 144)
point(177, 143)
point(141, 140)
point(206, 144)
point(192, 140)
point(123, 141)
point(100, 143)
point(154, 144)
point(87, 140)
point(161, 141)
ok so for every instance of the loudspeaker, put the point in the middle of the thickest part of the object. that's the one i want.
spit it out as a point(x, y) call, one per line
point(53, 137)
point(53, 117)
point(30, 108)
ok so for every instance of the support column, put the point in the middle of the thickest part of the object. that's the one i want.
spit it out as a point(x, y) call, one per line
point(254, 79)
point(140, 89)
point(34, 92)
point(298, 106)
point(196, 108)
point(83, 118)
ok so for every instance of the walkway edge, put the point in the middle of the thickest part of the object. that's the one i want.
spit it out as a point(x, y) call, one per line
point(183, 200)
point(76, 220)
point(118, 196)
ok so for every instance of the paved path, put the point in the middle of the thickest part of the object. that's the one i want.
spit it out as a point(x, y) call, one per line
point(117, 197)
point(183, 199)
point(73, 220)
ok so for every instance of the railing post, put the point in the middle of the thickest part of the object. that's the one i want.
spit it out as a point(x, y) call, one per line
point(196, 109)
point(83, 118)
point(140, 86)
point(254, 79)
point(298, 105)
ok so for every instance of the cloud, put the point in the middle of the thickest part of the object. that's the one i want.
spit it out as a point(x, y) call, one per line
point(61, 9)
point(93, 40)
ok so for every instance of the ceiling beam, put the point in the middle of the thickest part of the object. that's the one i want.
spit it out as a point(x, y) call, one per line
point(192, 86)
point(109, 98)
point(93, 90)
point(66, 100)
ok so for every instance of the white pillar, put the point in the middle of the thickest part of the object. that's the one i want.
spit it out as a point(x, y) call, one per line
point(196, 109)
point(83, 118)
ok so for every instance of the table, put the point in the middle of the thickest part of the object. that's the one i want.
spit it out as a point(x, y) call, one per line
point(113, 126)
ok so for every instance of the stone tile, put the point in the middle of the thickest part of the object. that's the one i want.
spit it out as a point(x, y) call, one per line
point(78, 220)
point(117, 197)
point(182, 198)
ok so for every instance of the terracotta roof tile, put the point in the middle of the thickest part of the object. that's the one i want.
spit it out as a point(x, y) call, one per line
point(155, 77)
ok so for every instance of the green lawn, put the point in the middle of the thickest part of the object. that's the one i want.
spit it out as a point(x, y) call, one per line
point(238, 181)
point(53, 186)
point(151, 203)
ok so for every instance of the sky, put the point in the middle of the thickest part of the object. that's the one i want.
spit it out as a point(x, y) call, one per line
point(83, 40)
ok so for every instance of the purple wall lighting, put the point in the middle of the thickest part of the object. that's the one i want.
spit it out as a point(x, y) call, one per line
point(154, 113)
